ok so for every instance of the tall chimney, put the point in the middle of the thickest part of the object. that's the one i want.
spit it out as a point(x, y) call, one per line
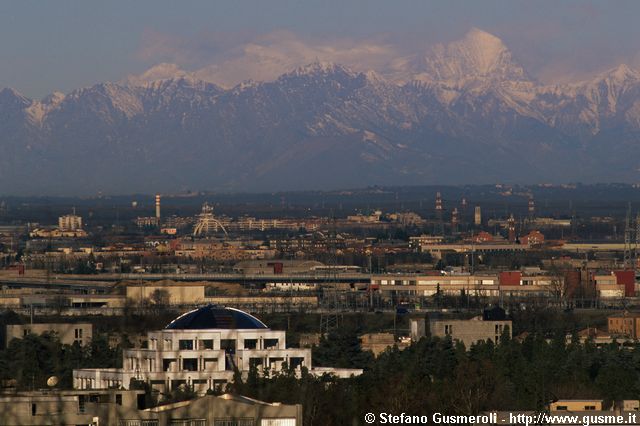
point(158, 207)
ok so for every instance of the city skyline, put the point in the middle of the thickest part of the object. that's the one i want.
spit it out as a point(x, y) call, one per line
point(319, 213)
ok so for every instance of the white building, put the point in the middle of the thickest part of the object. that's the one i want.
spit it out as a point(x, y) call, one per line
point(70, 222)
point(202, 348)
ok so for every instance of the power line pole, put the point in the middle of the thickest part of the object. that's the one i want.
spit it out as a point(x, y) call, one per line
point(331, 319)
point(627, 239)
point(636, 244)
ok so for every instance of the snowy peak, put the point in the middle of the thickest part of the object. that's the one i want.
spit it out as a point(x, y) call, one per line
point(620, 75)
point(320, 69)
point(53, 99)
point(181, 84)
point(38, 110)
point(479, 55)
point(159, 72)
point(604, 93)
point(105, 97)
point(484, 50)
point(374, 78)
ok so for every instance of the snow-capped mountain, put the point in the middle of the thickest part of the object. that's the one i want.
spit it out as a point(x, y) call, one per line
point(466, 111)
point(478, 59)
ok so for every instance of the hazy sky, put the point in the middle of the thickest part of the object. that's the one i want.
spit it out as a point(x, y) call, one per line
point(62, 45)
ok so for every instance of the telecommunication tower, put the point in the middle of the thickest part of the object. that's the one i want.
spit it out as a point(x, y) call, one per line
point(628, 235)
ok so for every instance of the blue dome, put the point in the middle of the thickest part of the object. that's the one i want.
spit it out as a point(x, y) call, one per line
point(216, 317)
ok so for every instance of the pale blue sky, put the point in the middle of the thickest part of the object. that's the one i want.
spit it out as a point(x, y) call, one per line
point(62, 45)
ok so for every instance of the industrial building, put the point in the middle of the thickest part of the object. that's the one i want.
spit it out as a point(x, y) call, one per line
point(174, 294)
point(470, 331)
point(509, 283)
point(67, 333)
point(487, 327)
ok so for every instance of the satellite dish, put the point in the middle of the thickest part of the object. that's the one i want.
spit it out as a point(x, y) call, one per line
point(52, 381)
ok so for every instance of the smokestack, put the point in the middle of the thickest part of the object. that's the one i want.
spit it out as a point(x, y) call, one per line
point(158, 206)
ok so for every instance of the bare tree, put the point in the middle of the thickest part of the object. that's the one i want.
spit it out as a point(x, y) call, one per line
point(160, 297)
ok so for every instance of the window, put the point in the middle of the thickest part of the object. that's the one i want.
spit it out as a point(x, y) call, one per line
point(276, 362)
point(190, 364)
point(448, 329)
point(296, 362)
point(81, 406)
point(270, 343)
point(185, 345)
point(561, 408)
point(250, 343)
point(589, 407)
point(25, 332)
point(119, 399)
point(229, 345)
point(138, 422)
point(168, 364)
point(78, 335)
point(205, 344)
point(34, 409)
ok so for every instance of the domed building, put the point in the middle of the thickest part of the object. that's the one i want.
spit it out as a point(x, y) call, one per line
point(202, 348)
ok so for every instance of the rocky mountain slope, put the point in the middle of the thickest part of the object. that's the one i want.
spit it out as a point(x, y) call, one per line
point(466, 112)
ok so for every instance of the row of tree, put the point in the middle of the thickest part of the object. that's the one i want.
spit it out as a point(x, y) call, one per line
point(27, 363)
point(432, 375)
point(437, 375)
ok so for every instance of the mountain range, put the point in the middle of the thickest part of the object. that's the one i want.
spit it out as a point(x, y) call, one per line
point(466, 112)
